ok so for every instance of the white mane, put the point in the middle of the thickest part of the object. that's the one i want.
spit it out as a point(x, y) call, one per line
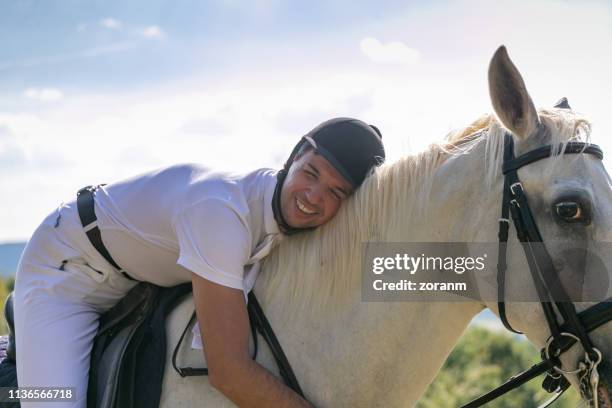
point(316, 268)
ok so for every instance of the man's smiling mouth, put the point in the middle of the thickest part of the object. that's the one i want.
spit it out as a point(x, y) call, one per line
point(304, 208)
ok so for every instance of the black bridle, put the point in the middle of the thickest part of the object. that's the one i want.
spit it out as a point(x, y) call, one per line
point(575, 326)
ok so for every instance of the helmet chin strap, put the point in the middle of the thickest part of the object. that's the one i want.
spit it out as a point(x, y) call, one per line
point(276, 205)
point(276, 198)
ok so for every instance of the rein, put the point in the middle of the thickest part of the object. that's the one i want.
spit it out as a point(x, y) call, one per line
point(259, 324)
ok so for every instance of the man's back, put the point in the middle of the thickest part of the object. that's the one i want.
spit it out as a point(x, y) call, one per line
point(144, 219)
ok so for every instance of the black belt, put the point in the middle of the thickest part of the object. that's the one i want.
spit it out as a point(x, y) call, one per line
point(85, 207)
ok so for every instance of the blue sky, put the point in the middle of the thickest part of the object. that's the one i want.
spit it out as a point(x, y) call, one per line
point(103, 45)
point(96, 91)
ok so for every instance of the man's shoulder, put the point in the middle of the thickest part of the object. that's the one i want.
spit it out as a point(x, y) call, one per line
point(228, 184)
point(201, 172)
point(192, 187)
point(232, 189)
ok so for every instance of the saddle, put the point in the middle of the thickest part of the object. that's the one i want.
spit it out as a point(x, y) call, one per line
point(129, 352)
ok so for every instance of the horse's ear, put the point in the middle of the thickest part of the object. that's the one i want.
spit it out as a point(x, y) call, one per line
point(563, 104)
point(510, 99)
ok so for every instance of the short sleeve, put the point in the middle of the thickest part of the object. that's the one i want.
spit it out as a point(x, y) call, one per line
point(214, 242)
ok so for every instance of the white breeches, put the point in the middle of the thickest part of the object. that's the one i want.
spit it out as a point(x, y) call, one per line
point(62, 286)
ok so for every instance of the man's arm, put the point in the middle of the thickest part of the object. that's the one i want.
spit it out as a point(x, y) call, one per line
point(224, 326)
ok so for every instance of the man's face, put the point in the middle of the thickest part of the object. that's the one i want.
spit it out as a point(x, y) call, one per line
point(312, 192)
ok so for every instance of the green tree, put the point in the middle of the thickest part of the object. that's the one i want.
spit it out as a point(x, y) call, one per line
point(481, 361)
point(6, 286)
point(10, 283)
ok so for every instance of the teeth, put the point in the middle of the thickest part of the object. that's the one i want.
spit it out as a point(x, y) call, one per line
point(302, 207)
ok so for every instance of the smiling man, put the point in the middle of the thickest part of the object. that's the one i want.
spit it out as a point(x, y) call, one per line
point(313, 192)
point(324, 168)
point(173, 225)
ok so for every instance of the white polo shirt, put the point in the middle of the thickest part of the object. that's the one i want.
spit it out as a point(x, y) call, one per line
point(162, 225)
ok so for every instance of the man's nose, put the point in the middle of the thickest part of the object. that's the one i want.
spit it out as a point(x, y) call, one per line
point(315, 194)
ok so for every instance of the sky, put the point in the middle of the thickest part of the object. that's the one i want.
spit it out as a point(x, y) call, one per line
point(97, 91)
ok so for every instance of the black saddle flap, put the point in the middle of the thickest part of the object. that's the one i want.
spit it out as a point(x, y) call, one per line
point(130, 309)
point(117, 327)
point(129, 352)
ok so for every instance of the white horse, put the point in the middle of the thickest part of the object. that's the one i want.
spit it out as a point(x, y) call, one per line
point(350, 353)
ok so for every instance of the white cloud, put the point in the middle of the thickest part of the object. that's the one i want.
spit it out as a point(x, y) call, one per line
point(394, 52)
point(43, 94)
point(111, 23)
point(152, 32)
point(263, 109)
point(139, 131)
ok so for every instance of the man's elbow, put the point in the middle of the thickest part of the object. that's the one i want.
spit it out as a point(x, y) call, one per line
point(221, 382)
point(226, 376)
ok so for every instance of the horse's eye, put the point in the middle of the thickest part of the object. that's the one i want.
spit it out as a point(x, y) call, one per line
point(569, 211)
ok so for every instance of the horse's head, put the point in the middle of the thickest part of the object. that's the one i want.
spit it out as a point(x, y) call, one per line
point(570, 198)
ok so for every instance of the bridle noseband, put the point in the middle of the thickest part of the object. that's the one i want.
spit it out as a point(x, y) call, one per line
point(575, 326)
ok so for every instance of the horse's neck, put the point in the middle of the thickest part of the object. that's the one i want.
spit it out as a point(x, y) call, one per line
point(374, 354)
point(380, 354)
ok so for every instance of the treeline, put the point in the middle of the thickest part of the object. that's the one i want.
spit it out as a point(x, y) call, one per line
point(483, 360)
point(6, 286)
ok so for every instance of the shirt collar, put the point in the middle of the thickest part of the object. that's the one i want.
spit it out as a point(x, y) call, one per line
point(270, 225)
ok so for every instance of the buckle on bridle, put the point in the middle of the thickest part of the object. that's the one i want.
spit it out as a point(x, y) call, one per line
point(557, 352)
point(518, 183)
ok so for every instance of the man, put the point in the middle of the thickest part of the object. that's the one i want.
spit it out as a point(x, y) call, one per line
point(170, 226)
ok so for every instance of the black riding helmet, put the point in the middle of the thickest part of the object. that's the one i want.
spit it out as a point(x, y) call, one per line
point(350, 145)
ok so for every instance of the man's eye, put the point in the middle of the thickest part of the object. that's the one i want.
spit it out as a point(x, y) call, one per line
point(336, 195)
point(311, 174)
